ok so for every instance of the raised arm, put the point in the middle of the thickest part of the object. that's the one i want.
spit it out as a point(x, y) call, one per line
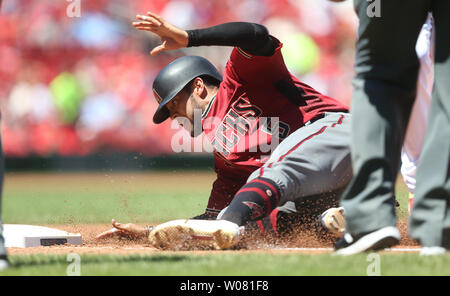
point(252, 38)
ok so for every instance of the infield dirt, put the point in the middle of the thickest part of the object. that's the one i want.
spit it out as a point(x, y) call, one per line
point(302, 241)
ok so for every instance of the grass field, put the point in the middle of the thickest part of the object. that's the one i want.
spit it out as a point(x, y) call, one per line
point(84, 198)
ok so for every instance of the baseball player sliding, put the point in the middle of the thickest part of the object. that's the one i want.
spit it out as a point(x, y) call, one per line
point(256, 104)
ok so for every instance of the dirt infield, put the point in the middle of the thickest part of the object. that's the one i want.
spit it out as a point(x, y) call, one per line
point(301, 242)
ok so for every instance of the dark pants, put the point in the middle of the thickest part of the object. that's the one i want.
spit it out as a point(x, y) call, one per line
point(384, 91)
point(2, 240)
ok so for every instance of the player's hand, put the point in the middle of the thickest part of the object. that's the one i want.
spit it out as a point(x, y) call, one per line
point(172, 38)
point(129, 230)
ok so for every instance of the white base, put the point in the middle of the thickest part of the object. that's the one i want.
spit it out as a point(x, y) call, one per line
point(431, 251)
point(25, 236)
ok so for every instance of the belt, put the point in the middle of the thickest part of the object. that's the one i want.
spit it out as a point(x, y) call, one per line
point(320, 116)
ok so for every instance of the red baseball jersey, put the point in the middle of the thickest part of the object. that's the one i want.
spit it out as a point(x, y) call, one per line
point(259, 103)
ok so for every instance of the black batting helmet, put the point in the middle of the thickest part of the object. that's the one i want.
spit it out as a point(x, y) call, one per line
point(174, 77)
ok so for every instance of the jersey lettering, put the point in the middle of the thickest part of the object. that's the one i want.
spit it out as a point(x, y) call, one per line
point(227, 137)
point(245, 109)
point(272, 124)
point(237, 123)
point(232, 119)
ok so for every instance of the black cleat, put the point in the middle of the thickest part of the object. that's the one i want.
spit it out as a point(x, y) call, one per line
point(382, 238)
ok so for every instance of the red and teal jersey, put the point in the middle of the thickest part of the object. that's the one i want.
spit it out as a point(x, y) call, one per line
point(259, 103)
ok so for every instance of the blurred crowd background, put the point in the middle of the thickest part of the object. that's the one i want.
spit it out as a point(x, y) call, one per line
point(75, 76)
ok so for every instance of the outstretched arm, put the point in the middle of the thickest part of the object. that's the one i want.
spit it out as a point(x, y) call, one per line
point(251, 37)
point(127, 230)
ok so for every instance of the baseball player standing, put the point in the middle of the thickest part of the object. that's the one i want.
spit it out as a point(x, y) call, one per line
point(3, 256)
point(415, 134)
point(384, 92)
point(256, 103)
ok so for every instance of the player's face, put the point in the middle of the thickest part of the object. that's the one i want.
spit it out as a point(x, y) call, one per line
point(177, 106)
point(180, 109)
point(194, 114)
point(186, 107)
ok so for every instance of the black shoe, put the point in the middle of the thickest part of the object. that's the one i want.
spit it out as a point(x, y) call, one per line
point(377, 240)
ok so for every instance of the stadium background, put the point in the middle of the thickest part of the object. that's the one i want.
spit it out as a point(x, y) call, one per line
point(75, 92)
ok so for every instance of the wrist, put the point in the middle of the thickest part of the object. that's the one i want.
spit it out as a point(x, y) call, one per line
point(192, 37)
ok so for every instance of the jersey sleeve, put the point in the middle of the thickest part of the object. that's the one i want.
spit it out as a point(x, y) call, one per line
point(252, 69)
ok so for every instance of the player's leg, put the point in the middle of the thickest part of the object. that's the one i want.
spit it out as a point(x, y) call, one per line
point(313, 160)
point(384, 91)
point(3, 256)
point(430, 219)
point(320, 213)
point(278, 223)
point(3, 259)
point(291, 217)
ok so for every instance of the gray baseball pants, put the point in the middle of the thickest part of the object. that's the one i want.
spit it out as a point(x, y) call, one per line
point(2, 240)
point(313, 162)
